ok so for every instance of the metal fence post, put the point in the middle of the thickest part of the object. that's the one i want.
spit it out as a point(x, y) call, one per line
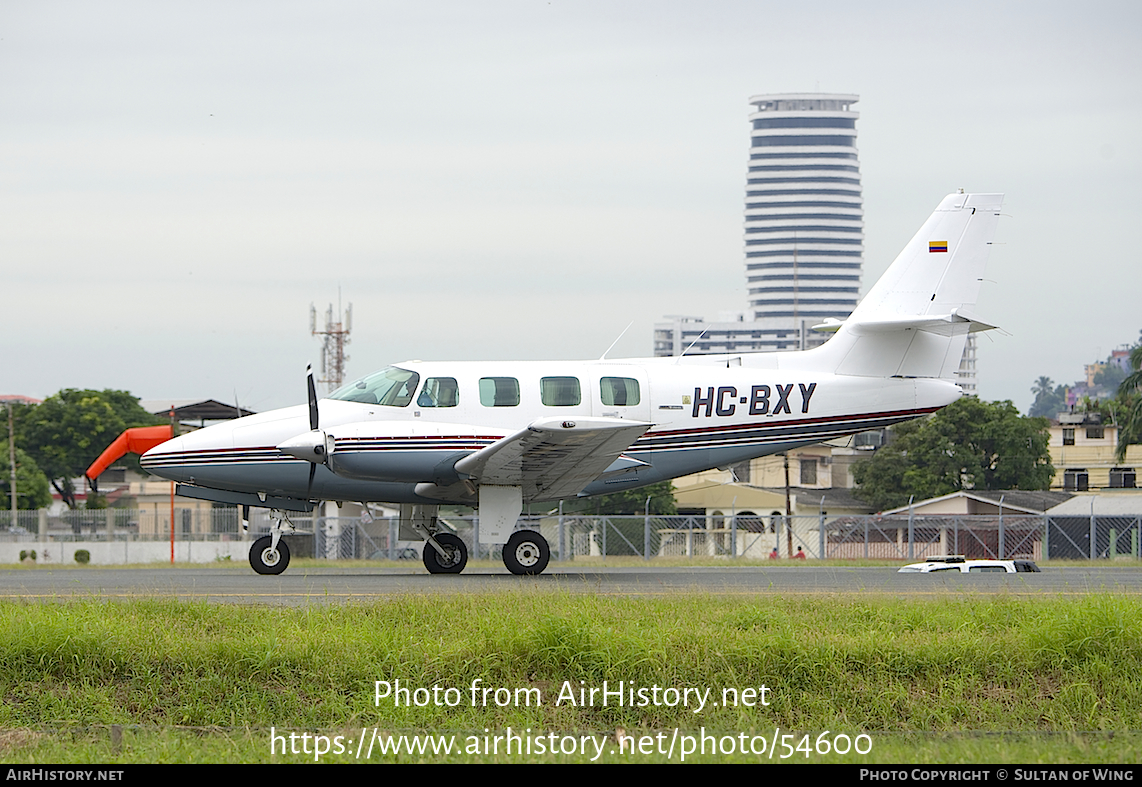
point(821, 530)
point(1001, 533)
point(911, 555)
point(1093, 532)
point(646, 531)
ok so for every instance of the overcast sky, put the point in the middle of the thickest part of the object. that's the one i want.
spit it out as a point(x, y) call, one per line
point(180, 181)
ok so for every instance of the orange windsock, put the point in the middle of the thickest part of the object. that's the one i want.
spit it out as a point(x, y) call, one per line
point(138, 440)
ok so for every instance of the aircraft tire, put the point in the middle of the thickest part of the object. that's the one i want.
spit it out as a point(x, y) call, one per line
point(526, 553)
point(454, 546)
point(265, 560)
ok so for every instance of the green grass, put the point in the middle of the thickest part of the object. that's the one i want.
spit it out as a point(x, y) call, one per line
point(975, 679)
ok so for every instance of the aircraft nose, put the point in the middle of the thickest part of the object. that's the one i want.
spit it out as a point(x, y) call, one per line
point(161, 460)
point(170, 459)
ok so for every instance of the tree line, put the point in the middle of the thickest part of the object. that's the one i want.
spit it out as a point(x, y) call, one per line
point(58, 439)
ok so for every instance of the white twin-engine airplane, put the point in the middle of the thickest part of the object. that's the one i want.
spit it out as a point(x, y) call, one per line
point(499, 434)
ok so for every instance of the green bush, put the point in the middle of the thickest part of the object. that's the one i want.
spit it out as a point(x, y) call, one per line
point(82, 556)
point(26, 553)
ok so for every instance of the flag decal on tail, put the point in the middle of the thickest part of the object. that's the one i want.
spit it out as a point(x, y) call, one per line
point(937, 245)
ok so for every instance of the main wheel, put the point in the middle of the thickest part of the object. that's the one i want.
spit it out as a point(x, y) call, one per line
point(265, 559)
point(526, 553)
point(456, 555)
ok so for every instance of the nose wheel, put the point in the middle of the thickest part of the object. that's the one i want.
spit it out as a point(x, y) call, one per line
point(265, 558)
point(526, 552)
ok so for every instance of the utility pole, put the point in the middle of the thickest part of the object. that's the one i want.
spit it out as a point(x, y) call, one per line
point(12, 462)
point(788, 508)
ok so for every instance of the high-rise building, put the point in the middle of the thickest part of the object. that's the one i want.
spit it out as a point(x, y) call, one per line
point(804, 234)
point(804, 220)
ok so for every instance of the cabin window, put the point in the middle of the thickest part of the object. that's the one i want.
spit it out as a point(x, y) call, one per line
point(560, 391)
point(619, 391)
point(499, 391)
point(390, 386)
point(439, 392)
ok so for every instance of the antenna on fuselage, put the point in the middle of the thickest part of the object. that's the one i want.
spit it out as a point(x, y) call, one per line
point(696, 340)
point(603, 357)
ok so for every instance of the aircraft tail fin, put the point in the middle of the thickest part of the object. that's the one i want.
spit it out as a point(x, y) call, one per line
point(916, 318)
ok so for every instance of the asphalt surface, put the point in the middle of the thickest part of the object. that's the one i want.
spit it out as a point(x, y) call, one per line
point(303, 586)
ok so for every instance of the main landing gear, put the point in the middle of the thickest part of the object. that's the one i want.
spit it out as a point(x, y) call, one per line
point(445, 553)
point(526, 552)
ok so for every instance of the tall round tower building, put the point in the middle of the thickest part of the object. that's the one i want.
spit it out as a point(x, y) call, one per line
point(804, 220)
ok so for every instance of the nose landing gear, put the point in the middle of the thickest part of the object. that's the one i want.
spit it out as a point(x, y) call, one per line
point(269, 554)
point(265, 558)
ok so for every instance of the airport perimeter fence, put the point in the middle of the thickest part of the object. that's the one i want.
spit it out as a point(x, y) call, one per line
point(569, 537)
point(134, 535)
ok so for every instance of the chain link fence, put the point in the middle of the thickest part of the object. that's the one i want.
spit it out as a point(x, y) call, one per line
point(897, 537)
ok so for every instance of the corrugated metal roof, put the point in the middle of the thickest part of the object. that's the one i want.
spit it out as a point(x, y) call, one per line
point(1126, 503)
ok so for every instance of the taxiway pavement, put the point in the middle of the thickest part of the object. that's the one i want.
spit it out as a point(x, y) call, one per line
point(303, 586)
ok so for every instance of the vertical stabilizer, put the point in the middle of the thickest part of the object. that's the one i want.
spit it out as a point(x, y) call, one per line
point(916, 318)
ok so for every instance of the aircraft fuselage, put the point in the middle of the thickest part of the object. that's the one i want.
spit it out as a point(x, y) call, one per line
point(704, 411)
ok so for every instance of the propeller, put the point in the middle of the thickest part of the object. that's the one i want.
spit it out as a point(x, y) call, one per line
point(314, 423)
point(312, 446)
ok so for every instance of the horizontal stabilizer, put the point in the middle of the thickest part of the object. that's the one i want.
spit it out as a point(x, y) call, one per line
point(942, 324)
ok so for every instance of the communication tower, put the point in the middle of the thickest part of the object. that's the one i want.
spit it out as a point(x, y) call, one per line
point(334, 337)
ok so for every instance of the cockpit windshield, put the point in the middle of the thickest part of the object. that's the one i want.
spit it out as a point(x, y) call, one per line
point(390, 386)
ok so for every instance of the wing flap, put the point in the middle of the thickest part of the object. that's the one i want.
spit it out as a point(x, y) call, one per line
point(553, 457)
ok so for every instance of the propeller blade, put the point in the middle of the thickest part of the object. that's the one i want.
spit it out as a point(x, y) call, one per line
point(313, 422)
point(309, 488)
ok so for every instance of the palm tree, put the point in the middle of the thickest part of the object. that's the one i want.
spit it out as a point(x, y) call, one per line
point(1048, 399)
point(1130, 395)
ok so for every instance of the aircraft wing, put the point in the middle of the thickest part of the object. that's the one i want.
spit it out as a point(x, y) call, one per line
point(553, 457)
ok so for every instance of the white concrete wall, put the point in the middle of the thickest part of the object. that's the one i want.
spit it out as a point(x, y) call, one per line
point(105, 553)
